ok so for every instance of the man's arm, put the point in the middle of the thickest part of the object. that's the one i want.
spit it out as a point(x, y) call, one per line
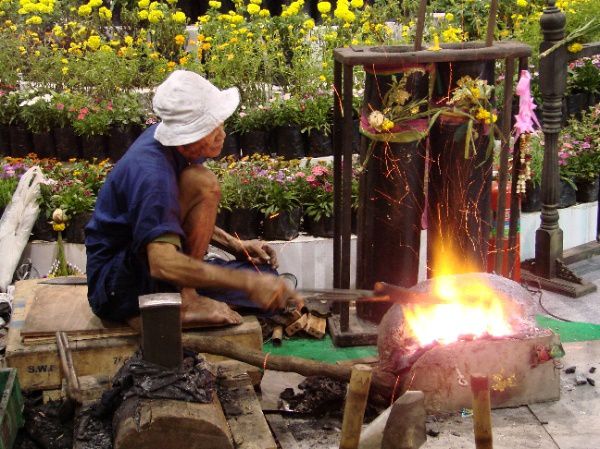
point(168, 264)
point(255, 251)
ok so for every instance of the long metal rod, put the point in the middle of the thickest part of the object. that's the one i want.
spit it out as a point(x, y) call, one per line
point(503, 169)
point(68, 367)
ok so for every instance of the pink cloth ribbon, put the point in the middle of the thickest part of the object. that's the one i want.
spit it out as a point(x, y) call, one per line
point(526, 118)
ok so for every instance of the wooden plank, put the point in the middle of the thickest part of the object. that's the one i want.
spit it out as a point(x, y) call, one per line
point(38, 366)
point(244, 415)
point(281, 431)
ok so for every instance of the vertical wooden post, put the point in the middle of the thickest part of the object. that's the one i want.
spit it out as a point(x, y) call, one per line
point(356, 402)
point(337, 172)
point(489, 40)
point(482, 413)
point(553, 81)
point(420, 25)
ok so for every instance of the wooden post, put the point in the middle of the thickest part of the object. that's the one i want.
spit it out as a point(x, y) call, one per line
point(553, 81)
point(420, 25)
point(489, 40)
point(354, 410)
point(482, 413)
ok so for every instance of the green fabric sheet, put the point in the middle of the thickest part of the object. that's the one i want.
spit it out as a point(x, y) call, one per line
point(322, 350)
point(570, 331)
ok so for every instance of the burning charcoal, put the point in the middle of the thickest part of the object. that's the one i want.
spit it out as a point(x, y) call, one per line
point(592, 370)
point(580, 379)
point(591, 381)
point(570, 370)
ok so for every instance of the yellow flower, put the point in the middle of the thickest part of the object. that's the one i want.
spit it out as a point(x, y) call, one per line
point(206, 46)
point(230, 56)
point(106, 48)
point(155, 16)
point(309, 24)
point(264, 13)
point(154, 55)
point(171, 65)
point(95, 3)
point(180, 39)
point(179, 17)
point(575, 47)
point(143, 4)
point(58, 227)
point(522, 3)
point(183, 60)
point(94, 42)
point(214, 4)
point(436, 44)
point(143, 14)
point(105, 13)
point(357, 3)
point(128, 40)
point(449, 16)
point(256, 2)
point(65, 70)
point(34, 20)
point(84, 10)
point(322, 78)
point(483, 115)
point(387, 125)
point(253, 9)
point(324, 7)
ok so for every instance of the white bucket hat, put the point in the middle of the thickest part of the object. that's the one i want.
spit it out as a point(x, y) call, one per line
point(190, 107)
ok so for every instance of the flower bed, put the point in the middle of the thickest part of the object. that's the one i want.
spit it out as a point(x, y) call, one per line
point(280, 195)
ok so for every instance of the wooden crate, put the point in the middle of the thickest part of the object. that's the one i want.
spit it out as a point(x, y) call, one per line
point(38, 366)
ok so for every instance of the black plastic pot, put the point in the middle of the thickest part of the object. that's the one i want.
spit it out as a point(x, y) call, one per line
point(4, 140)
point(568, 195)
point(43, 144)
point(289, 142)
point(93, 147)
point(222, 220)
point(231, 146)
point(576, 103)
point(245, 223)
point(284, 225)
point(66, 143)
point(587, 191)
point(120, 139)
point(75, 230)
point(531, 200)
point(42, 228)
point(320, 228)
point(319, 144)
point(253, 142)
point(20, 140)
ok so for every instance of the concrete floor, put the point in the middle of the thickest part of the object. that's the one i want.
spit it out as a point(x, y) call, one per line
point(573, 422)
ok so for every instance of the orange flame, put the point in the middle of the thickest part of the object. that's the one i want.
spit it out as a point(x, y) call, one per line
point(469, 309)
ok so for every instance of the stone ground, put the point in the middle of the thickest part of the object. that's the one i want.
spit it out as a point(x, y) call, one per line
point(573, 422)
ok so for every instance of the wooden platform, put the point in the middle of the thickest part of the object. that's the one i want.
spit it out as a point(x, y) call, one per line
point(93, 354)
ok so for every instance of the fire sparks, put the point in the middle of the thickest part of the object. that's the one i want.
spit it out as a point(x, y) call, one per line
point(470, 309)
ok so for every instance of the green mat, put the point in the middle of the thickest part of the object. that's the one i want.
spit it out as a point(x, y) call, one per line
point(322, 350)
point(570, 331)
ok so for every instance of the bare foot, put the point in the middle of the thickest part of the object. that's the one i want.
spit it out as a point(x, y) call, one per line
point(198, 311)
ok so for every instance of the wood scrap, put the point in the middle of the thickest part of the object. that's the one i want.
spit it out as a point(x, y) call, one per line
point(315, 326)
point(297, 325)
point(356, 403)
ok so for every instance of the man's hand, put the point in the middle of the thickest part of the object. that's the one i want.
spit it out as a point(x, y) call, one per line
point(257, 252)
point(271, 292)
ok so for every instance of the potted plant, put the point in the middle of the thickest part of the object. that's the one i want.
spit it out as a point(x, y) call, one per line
point(280, 200)
point(583, 86)
point(318, 200)
point(287, 137)
point(251, 124)
point(19, 136)
point(35, 111)
point(582, 139)
point(92, 124)
point(316, 119)
point(66, 143)
point(241, 188)
point(127, 116)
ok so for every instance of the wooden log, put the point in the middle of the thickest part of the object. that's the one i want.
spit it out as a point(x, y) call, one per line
point(167, 424)
point(482, 414)
point(297, 325)
point(354, 409)
point(382, 382)
point(315, 326)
